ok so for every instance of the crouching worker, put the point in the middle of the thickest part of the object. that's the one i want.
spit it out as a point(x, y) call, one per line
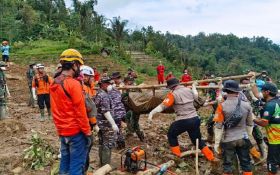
point(70, 115)
point(108, 129)
point(233, 123)
point(181, 99)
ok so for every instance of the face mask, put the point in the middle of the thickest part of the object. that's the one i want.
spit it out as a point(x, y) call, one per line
point(3, 68)
point(109, 88)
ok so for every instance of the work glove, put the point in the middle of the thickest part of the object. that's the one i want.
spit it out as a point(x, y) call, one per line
point(34, 94)
point(109, 117)
point(96, 128)
point(115, 128)
point(158, 109)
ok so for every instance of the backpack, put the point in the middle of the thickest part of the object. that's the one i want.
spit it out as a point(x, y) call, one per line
point(235, 117)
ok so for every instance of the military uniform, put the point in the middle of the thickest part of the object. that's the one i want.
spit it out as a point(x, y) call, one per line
point(132, 118)
point(107, 137)
point(119, 113)
point(3, 92)
point(30, 74)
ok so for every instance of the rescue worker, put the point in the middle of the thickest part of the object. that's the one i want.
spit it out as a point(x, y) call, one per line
point(41, 90)
point(234, 123)
point(169, 75)
point(160, 73)
point(89, 94)
point(3, 91)
point(88, 81)
point(96, 75)
point(116, 77)
point(257, 134)
point(105, 72)
point(117, 108)
point(30, 73)
point(270, 119)
point(105, 121)
point(131, 117)
point(132, 75)
point(181, 99)
point(70, 115)
point(5, 49)
point(186, 77)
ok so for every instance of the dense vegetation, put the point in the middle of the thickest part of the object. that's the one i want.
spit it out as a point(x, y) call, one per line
point(23, 21)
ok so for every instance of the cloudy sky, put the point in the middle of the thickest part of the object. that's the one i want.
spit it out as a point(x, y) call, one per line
point(240, 17)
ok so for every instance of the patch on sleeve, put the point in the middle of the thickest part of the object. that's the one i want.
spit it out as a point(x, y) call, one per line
point(266, 114)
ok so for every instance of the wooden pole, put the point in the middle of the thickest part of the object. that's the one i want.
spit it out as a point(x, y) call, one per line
point(103, 170)
point(196, 157)
point(187, 83)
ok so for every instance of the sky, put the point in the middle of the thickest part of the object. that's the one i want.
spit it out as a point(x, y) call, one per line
point(189, 17)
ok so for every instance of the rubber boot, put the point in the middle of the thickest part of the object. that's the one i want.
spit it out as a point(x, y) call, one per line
point(176, 150)
point(42, 117)
point(2, 112)
point(247, 173)
point(255, 153)
point(104, 155)
point(208, 154)
point(49, 114)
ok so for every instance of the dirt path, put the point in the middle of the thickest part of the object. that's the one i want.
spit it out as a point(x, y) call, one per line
point(16, 133)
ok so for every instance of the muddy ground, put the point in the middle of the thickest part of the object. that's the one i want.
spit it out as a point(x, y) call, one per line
point(16, 134)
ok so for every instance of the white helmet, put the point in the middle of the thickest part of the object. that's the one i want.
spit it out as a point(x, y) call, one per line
point(39, 65)
point(86, 70)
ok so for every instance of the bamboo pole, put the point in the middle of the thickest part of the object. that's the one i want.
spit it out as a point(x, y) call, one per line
point(188, 83)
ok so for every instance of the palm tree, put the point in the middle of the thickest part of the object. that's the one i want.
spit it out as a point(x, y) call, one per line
point(118, 29)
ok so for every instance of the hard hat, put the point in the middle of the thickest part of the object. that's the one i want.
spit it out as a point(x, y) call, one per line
point(86, 70)
point(71, 55)
point(39, 66)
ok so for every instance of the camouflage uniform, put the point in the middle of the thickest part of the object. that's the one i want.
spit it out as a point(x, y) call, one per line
point(210, 123)
point(119, 113)
point(106, 134)
point(30, 74)
point(257, 134)
point(132, 118)
point(3, 93)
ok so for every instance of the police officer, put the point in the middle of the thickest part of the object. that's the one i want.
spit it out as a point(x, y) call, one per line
point(234, 138)
point(3, 90)
point(117, 107)
point(105, 121)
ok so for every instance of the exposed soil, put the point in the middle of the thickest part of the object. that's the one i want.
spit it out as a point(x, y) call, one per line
point(16, 134)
